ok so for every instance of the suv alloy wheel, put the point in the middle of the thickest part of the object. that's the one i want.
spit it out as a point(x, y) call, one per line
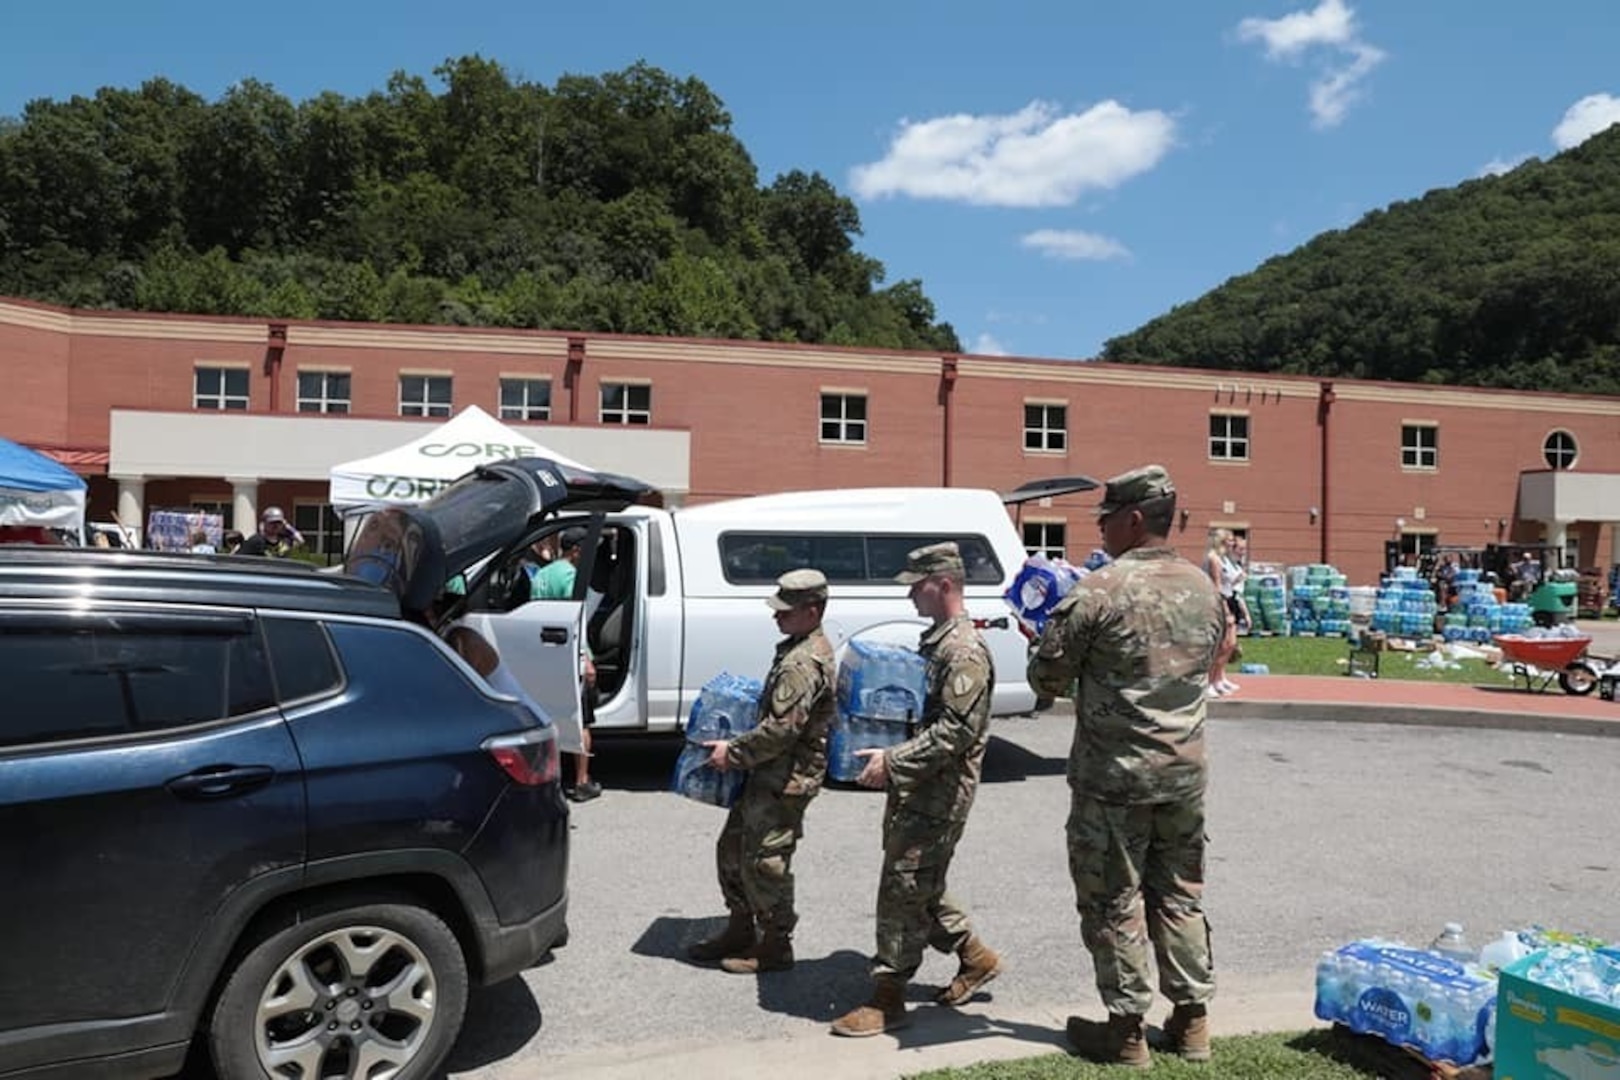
point(368, 989)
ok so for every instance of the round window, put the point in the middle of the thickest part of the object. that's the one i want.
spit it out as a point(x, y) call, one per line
point(1560, 450)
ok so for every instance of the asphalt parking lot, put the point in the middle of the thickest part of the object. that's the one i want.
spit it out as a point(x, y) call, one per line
point(1320, 833)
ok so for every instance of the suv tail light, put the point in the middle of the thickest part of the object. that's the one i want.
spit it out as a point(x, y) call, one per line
point(529, 757)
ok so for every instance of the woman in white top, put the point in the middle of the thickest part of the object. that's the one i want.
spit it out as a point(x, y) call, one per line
point(1228, 578)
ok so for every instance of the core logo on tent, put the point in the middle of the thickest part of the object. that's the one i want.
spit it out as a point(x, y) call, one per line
point(404, 487)
point(485, 450)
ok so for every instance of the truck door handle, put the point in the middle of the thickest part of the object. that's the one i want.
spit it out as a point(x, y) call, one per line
point(221, 781)
point(554, 635)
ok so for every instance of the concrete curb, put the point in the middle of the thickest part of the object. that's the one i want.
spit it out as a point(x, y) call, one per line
point(1426, 716)
point(937, 1038)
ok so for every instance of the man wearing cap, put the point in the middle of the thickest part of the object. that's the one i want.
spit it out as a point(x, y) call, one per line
point(1136, 638)
point(555, 581)
point(931, 780)
point(276, 536)
point(786, 755)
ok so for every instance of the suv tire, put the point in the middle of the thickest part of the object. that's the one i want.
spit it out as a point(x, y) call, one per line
point(346, 989)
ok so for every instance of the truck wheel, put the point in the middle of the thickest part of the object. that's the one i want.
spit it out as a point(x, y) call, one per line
point(1578, 678)
point(369, 989)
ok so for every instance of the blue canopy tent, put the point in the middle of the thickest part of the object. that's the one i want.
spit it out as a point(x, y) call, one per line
point(34, 490)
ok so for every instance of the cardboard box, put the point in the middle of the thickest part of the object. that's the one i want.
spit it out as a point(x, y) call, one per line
point(1543, 1033)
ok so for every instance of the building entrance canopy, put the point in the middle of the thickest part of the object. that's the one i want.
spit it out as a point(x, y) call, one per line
point(415, 472)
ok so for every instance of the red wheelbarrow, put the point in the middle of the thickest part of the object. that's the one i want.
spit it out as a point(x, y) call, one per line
point(1540, 660)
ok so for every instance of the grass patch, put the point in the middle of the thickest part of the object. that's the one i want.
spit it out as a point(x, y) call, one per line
point(1328, 656)
point(1307, 1055)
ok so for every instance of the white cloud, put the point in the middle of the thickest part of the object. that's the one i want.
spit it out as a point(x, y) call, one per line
point(1498, 166)
point(1327, 33)
point(1037, 157)
point(1073, 244)
point(1585, 118)
point(985, 345)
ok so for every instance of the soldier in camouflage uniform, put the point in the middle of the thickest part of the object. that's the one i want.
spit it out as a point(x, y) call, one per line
point(931, 780)
point(1139, 635)
point(786, 753)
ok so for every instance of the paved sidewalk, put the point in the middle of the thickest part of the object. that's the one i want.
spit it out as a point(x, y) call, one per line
point(1403, 701)
point(937, 1038)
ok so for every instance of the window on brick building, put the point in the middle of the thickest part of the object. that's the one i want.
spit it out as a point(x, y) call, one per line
point(1420, 446)
point(525, 399)
point(1228, 437)
point(424, 395)
point(1560, 450)
point(1045, 538)
point(626, 403)
point(323, 391)
point(843, 418)
point(220, 388)
point(1046, 427)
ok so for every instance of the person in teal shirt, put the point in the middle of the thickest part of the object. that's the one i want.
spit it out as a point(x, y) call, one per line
point(555, 580)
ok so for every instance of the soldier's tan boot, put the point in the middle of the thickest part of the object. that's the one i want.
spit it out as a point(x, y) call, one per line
point(1186, 1032)
point(773, 952)
point(1122, 1040)
point(885, 1012)
point(977, 965)
point(736, 939)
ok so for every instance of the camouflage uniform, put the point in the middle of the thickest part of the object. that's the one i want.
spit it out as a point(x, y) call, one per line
point(786, 754)
point(932, 780)
point(1139, 635)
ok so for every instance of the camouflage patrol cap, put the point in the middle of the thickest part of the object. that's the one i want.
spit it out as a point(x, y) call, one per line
point(925, 562)
point(1137, 486)
point(798, 588)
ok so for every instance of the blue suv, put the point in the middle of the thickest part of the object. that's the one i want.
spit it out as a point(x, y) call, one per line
point(264, 814)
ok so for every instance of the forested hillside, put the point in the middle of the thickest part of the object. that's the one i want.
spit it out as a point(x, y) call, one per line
point(1509, 281)
point(616, 203)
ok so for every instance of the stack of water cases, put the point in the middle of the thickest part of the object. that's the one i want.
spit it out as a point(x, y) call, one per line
point(881, 688)
point(1408, 997)
point(1321, 601)
point(727, 706)
point(1265, 590)
point(1405, 606)
point(1477, 616)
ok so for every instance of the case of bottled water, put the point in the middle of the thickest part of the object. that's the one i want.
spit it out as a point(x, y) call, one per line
point(1558, 1015)
point(881, 689)
point(727, 706)
point(1038, 587)
point(1408, 997)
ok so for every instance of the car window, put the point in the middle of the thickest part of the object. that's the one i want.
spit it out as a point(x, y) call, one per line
point(82, 676)
point(750, 558)
point(302, 659)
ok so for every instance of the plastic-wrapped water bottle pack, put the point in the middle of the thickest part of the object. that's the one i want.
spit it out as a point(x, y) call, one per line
point(881, 690)
point(726, 707)
point(1439, 1006)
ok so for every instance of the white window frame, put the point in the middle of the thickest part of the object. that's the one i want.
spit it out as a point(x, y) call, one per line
point(1049, 438)
point(422, 404)
point(836, 425)
point(325, 401)
point(628, 412)
point(1043, 537)
point(526, 410)
point(219, 399)
point(1553, 456)
point(316, 537)
point(1414, 454)
point(1227, 445)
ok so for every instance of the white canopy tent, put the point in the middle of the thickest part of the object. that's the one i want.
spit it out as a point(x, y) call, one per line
point(36, 490)
point(415, 472)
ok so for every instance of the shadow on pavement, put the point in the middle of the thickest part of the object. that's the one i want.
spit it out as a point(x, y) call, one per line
point(937, 1025)
point(668, 938)
point(1007, 761)
point(501, 1019)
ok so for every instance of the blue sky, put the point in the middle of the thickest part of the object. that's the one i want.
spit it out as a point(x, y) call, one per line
point(1055, 171)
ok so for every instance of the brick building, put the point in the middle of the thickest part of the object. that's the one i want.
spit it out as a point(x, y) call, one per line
point(162, 411)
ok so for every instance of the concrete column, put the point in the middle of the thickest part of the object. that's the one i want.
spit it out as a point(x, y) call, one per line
point(1614, 542)
point(1557, 533)
point(244, 504)
point(132, 505)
